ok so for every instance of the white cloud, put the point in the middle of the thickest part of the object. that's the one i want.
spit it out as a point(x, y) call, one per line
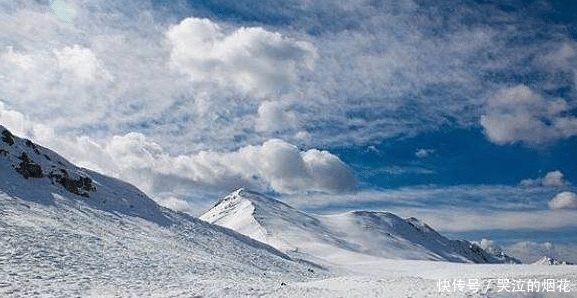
point(13, 120)
point(564, 200)
point(65, 85)
point(554, 178)
point(80, 63)
point(275, 116)
point(251, 58)
point(327, 172)
point(519, 114)
point(551, 179)
point(274, 165)
point(467, 219)
point(18, 59)
point(423, 153)
point(289, 170)
point(529, 251)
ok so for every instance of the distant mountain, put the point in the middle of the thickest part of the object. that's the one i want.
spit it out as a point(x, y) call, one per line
point(67, 231)
point(330, 238)
point(551, 261)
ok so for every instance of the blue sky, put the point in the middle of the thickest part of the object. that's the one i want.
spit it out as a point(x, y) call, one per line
point(427, 109)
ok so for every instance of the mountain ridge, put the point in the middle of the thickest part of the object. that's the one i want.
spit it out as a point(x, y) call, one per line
point(380, 234)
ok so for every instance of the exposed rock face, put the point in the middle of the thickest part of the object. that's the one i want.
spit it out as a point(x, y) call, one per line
point(81, 186)
point(28, 169)
point(7, 137)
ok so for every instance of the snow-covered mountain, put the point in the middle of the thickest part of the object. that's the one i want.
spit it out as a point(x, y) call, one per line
point(550, 261)
point(330, 239)
point(67, 231)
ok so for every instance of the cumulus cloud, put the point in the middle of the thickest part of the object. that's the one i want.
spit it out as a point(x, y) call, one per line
point(519, 114)
point(564, 200)
point(251, 58)
point(275, 165)
point(551, 179)
point(281, 166)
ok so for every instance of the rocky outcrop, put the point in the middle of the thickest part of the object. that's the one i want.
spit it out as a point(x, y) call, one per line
point(81, 186)
point(7, 137)
point(35, 162)
point(28, 169)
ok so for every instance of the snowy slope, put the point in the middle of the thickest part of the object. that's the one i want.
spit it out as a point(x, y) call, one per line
point(332, 239)
point(67, 232)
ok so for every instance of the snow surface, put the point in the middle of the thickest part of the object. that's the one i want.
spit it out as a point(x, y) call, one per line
point(105, 238)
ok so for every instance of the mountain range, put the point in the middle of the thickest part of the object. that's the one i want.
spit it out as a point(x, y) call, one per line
point(328, 239)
